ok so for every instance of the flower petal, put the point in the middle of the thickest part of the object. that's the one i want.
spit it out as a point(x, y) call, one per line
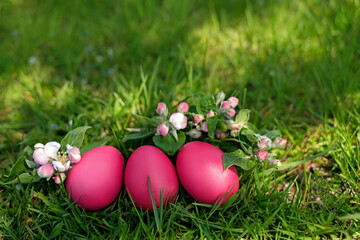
point(51, 149)
point(39, 145)
point(40, 156)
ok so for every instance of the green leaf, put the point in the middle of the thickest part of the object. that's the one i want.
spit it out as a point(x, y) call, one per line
point(211, 125)
point(355, 216)
point(249, 134)
point(75, 137)
point(139, 135)
point(238, 158)
point(144, 121)
point(92, 145)
point(158, 120)
point(18, 167)
point(168, 144)
point(25, 178)
point(243, 116)
point(56, 230)
point(206, 104)
point(31, 164)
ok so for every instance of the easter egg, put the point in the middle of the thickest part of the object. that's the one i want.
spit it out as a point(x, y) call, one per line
point(150, 163)
point(201, 172)
point(97, 179)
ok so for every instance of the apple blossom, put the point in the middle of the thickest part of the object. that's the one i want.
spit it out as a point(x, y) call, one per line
point(279, 143)
point(45, 171)
point(51, 149)
point(73, 153)
point(225, 105)
point(162, 109)
point(40, 156)
point(60, 166)
point(231, 113)
point(262, 154)
point(178, 120)
point(264, 142)
point(59, 177)
point(162, 130)
point(198, 118)
point(233, 101)
point(183, 107)
point(210, 114)
point(204, 127)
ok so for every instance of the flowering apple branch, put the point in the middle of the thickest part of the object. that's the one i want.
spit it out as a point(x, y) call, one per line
point(212, 119)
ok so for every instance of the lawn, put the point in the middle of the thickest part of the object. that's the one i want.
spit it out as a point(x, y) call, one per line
point(295, 64)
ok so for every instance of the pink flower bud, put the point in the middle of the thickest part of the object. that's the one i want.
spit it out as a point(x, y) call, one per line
point(45, 171)
point(204, 127)
point(40, 156)
point(74, 155)
point(262, 154)
point(225, 105)
point(162, 130)
point(178, 120)
point(233, 101)
point(263, 143)
point(162, 109)
point(210, 114)
point(194, 133)
point(198, 118)
point(279, 143)
point(231, 112)
point(57, 179)
point(183, 107)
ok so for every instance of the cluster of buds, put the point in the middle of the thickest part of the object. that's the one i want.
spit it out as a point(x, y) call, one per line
point(177, 121)
point(265, 144)
point(198, 122)
point(227, 107)
point(51, 160)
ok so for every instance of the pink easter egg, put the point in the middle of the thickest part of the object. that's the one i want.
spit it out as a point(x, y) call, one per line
point(150, 162)
point(97, 178)
point(201, 172)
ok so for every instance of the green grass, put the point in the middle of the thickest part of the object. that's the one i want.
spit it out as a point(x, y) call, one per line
point(98, 62)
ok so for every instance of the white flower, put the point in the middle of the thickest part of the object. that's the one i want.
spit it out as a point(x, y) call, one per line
point(178, 120)
point(43, 153)
point(51, 149)
point(61, 166)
